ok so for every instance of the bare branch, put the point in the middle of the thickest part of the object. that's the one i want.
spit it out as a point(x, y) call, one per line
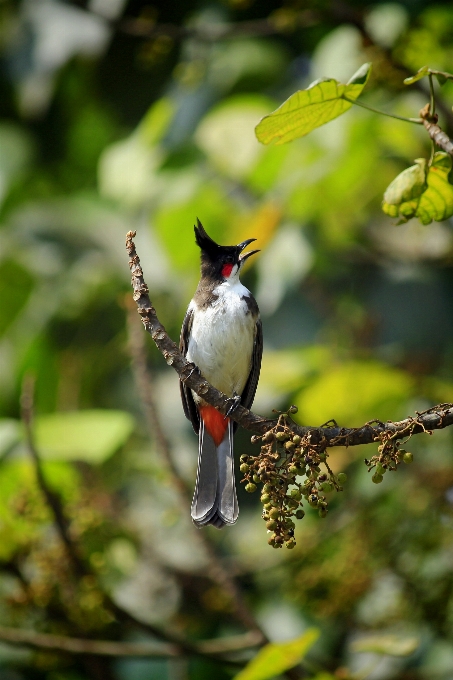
point(52, 499)
point(278, 22)
point(435, 418)
point(31, 638)
point(439, 136)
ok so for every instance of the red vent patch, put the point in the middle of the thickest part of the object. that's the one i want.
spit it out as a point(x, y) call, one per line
point(214, 422)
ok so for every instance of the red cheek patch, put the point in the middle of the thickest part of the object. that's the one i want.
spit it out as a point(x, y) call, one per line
point(226, 270)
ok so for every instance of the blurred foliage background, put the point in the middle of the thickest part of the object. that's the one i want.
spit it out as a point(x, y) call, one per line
point(119, 115)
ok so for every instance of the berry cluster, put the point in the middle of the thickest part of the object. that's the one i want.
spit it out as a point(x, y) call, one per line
point(389, 456)
point(289, 467)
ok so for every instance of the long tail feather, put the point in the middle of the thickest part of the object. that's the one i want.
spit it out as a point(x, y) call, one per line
point(214, 501)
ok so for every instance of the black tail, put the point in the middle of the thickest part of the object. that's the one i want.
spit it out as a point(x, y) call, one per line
point(214, 500)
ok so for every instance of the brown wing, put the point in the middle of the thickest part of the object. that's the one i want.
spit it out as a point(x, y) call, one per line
point(188, 404)
point(248, 394)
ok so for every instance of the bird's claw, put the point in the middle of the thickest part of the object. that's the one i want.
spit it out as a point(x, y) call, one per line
point(235, 401)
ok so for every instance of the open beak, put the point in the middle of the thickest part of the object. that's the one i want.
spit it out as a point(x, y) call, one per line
point(242, 258)
point(244, 244)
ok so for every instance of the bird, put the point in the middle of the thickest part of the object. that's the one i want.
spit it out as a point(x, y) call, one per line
point(222, 335)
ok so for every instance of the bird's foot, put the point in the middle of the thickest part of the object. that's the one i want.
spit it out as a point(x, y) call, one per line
point(192, 368)
point(235, 400)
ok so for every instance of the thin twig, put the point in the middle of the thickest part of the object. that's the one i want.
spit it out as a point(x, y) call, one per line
point(275, 24)
point(436, 418)
point(31, 638)
point(53, 501)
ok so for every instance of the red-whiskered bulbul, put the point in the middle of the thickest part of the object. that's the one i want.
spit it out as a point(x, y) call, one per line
point(222, 335)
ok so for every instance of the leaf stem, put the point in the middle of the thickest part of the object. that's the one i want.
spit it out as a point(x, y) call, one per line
point(432, 101)
point(418, 121)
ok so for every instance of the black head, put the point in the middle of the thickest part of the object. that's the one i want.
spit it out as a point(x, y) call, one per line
point(215, 259)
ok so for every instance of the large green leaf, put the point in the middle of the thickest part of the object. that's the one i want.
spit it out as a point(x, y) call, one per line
point(91, 436)
point(307, 109)
point(277, 657)
point(421, 192)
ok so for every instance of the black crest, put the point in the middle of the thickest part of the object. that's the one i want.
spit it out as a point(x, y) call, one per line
point(205, 242)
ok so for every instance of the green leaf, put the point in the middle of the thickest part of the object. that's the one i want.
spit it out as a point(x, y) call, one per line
point(407, 197)
point(277, 657)
point(406, 188)
point(391, 645)
point(91, 436)
point(421, 73)
point(307, 109)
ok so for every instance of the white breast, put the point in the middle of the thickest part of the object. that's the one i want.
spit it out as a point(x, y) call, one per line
point(221, 339)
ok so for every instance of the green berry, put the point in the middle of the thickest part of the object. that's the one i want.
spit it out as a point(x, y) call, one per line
point(250, 488)
point(290, 544)
point(293, 470)
point(322, 512)
point(380, 470)
point(281, 436)
point(268, 437)
point(300, 514)
point(408, 457)
point(342, 477)
point(289, 446)
point(274, 513)
point(293, 409)
point(244, 458)
point(265, 498)
point(326, 487)
point(295, 493)
point(377, 479)
point(267, 488)
point(244, 468)
point(271, 524)
point(256, 479)
point(296, 439)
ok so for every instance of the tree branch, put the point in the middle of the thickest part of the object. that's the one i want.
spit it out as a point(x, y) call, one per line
point(439, 136)
point(31, 638)
point(53, 501)
point(435, 418)
point(278, 22)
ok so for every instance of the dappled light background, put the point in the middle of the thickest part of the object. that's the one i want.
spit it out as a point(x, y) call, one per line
point(104, 130)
